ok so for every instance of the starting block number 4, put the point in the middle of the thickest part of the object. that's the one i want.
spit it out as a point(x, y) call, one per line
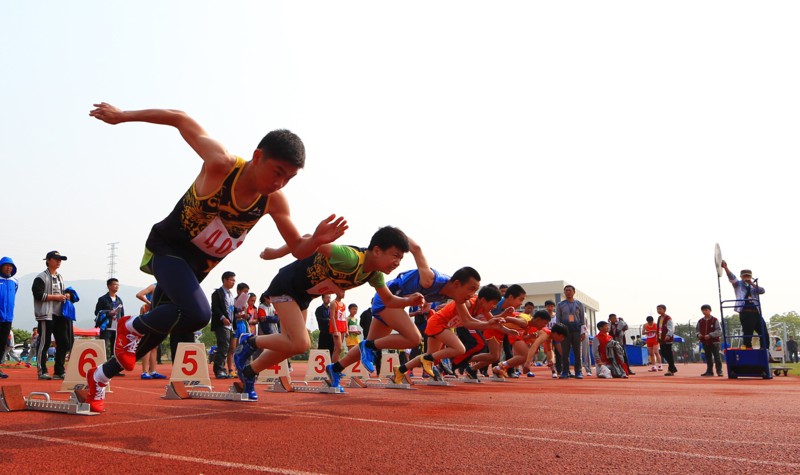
point(274, 373)
point(85, 355)
point(317, 361)
point(190, 365)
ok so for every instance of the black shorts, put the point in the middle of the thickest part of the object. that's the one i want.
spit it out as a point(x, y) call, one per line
point(283, 285)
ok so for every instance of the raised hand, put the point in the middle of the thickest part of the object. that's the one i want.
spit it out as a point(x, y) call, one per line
point(107, 113)
point(330, 229)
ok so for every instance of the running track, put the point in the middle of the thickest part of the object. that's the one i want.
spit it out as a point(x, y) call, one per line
point(647, 424)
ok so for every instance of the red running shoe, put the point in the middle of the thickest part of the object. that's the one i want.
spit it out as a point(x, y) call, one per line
point(126, 344)
point(97, 392)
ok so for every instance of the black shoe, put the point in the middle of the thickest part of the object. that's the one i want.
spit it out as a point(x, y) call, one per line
point(3, 375)
point(631, 373)
point(707, 373)
point(222, 376)
point(58, 376)
point(45, 376)
point(720, 374)
point(471, 373)
point(668, 373)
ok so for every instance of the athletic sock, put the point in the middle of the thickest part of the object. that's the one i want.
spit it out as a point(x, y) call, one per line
point(428, 357)
point(252, 342)
point(403, 369)
point(337, 367)
point(110, 369)
point(370, 344)
point(131, 328)
point(248, 372)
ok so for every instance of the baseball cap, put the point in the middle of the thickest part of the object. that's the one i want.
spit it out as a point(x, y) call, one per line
point(55, 255)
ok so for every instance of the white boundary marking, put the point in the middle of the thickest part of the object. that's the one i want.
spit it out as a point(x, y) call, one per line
point(140, 453)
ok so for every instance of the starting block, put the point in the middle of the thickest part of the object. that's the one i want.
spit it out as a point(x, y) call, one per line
point(493, 379)
point(11, 399)
point(374, 383)
point(284, 384)
point(419, 380)
point(179, 390)
point(464, 379)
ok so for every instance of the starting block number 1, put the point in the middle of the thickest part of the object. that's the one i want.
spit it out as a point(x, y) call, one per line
point(388, 362)
point(190, 365)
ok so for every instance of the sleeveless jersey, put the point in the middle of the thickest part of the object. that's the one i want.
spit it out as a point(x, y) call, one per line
point(407, 283)
point(202, 230)
point(651, 332)
point(317, 275)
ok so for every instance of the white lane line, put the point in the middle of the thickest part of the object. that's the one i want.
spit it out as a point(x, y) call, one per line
point(594, 445)
point(141, 453)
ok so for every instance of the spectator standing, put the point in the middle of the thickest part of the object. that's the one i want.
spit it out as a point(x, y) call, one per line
point(747, 291)
point(352, 327)
point(666, 335)
point(791, 348)
point(571, 314)
point(323, 315)
point(8, 295)
point(708, 332)
point(338, 329)
point(267, 320)
point(111, 306)
point(48, 298)
point(550, 306)
point(34, 344)
point(617, 328)
point(221, 322)
point(650, 331)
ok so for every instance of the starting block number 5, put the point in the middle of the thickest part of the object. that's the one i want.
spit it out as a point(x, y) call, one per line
point(190, 364)
point(85, 355)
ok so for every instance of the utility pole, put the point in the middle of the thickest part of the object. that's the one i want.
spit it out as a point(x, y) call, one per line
point(112, 259)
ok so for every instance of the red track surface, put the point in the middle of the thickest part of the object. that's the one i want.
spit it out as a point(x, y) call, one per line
point(647, 424)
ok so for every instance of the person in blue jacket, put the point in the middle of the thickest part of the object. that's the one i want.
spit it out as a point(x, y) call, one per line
point(8, 294)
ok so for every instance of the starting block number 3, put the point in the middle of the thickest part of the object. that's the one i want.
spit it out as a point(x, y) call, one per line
point(317, 361)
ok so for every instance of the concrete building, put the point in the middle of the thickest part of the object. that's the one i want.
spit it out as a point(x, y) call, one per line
point(538, 292)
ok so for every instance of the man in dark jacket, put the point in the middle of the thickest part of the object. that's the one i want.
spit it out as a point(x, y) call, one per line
point(110, 306)
point(322, 313)
point(221, 318)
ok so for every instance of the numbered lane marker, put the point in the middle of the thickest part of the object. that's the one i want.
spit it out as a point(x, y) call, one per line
point(388, 362)
point(273, 373)
point(85, 355)
point(317, 361)
point(356, 370)
point(190, 366)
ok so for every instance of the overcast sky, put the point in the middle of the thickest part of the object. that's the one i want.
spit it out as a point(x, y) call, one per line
point(607, 144)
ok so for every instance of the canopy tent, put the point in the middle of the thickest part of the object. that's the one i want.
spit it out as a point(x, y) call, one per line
point(94, 332)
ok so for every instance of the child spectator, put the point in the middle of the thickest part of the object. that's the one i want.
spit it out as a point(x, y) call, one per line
point(352, 327)
point(708, 332)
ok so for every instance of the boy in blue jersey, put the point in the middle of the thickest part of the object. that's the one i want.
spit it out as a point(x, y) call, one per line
point(333, 269)
point(210, 220)
point(434, 287)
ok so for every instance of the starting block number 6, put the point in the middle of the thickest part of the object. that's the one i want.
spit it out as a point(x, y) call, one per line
point(85, 355)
